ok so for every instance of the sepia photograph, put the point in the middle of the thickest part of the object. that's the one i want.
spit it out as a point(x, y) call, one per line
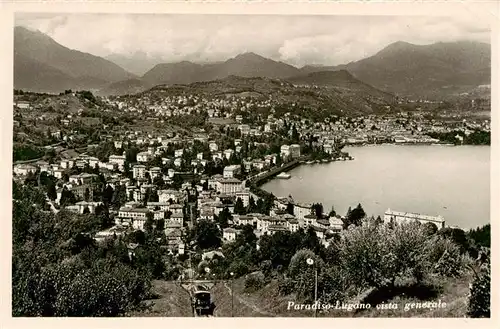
point(250, 165)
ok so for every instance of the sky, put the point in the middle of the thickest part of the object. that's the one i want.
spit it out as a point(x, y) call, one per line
point(296, 40)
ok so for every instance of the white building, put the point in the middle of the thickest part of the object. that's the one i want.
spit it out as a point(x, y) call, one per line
point(169, 195)
point(178, 162)
point(89, 205)
point(155, 172)
point(231, 171)
point(228, 153)
point(139, 171)
point(301, 210)
point(229, 186)
point(144, 157)
point(177, 218)
point(244, 129)
point(328, 148)
point(292, 224)
point(24, 169)
point(119, 160)
point(294, 151)
point(399, 217)
point(229, 234)
point(213, 147)
point(244, 196)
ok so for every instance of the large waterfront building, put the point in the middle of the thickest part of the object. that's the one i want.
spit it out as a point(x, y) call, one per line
point(399, 217)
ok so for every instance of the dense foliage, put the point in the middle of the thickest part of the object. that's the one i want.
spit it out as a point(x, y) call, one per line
point(477, 137)
point(59, 270)
point(22, 152)
point(383, 257)
point(479, 299)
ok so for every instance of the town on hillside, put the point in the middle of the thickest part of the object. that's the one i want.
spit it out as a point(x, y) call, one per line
point(285, 176)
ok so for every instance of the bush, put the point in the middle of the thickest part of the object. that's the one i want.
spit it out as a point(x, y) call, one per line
point(333, 284)
point(298, 263)
point(286, 286)
point(254, 282)
point(238, 268)
point(105, 289)
point(479, 297)
point(376, 255)
point(445, 258)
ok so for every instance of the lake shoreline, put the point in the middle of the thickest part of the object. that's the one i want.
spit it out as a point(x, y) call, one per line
point(325, 185)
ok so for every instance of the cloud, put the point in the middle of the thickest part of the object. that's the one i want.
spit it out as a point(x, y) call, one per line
point(298, 40)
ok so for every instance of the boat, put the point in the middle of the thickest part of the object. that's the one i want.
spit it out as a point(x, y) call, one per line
point(283, 175)
point(310, 162)
point(325, 160)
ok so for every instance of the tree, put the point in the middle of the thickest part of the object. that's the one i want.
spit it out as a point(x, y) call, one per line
point(376, 255)
point(137, 237)
point(295, 134)
point(246, 236)
point(86, 195)
point(280, 247)
point(148, 226)
point(278, 159)
point(317, 210)
point(332, 212)
point(107, 195)
point(251, 205)
point(153, 197)
point(458, 236)
point(46, 281)
point(158, 181)
point(354, 217)
point(378, 220)
point(303, 274)
point(51, 191)
point(67, 197)
point(160, 225)
point(480, 295)
point(430, 228)
point(207, 235)
point(119, 196)
point(102, 213)
point(310, 241)
point(260, 206)
point(224, 217)
point(239, 208)
point(131, 155)
point(481, 236)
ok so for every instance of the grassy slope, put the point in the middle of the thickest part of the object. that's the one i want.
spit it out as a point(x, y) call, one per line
point(173, 301)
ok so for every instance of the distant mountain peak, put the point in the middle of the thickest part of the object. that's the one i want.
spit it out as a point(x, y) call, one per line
point(58, 67)
point(397, 47)
point(250, 56)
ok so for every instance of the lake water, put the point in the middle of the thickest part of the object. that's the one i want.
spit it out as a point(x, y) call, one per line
point(452, 181)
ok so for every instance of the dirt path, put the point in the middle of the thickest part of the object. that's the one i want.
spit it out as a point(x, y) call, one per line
point(248, 304)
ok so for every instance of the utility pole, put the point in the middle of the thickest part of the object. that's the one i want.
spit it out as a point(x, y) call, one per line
point(315, 290)
point(310, 262)
point(232, 295)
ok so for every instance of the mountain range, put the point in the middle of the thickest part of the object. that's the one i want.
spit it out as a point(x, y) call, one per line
point(42, 64)
point(437, 70)
point(432, 70)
